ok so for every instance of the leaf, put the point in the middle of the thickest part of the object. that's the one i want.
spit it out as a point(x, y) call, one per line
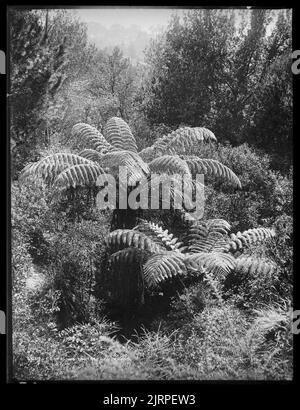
point(118, 134)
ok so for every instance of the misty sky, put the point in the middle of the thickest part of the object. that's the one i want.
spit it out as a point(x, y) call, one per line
point(146, 18)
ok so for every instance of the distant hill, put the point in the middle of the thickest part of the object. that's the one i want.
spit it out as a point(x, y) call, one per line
point(132, 40)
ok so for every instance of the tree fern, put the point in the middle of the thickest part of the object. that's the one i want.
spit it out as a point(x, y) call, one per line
point(124, 276)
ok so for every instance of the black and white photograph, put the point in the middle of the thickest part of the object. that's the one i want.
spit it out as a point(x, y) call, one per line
point(151, 194)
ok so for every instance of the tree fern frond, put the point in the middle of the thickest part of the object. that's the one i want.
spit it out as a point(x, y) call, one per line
point(181, 139)
point(211, 167)
point(218, 225)
point(250, 237)
point(220, 264)
point(128, 256)
point(207, 236)
point(118, 134)
point(163, 266)
point(49, 167)
point(79, 175)
point(91, 135)
point(163, 237)
point(91, 154)
point(169, 164)
point(253, 266)
point(137, 169)
point(125, 238)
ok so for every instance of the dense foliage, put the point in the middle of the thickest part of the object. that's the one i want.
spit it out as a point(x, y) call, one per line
point(141, 294)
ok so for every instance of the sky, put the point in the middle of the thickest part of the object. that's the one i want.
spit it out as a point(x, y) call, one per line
point(146, 18)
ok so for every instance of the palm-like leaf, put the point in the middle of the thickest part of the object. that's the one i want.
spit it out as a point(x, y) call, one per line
point(218, 263)
point(125, 238)
point(211, 167)
point(160, 236)
point(51, 166)
point(163, 266)
point(249, 265)
point(91, 154)
point(180, 140)
point(118, 134)
point(136, 168)
point(79, 175)
point(92, 136)
point(250, 237)
point(169, 164)
point(207, 236)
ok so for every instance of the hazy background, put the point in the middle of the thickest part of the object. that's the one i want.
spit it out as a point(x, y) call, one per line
point(129, 28)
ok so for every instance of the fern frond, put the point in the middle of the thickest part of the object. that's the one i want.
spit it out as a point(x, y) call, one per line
point(253, 266)
point(91, 154)
point(162, 237)
point(211, 167)
point(118, 134)
point(220, 264)
point(250, 237)
point(137, 169)
point(49, 167)
point(128, 256)
point(92, 136)
point(179, 140)
point(169, 164)
point(125, 238)
point(79, 175)
point(207, 236)
point(163, 266)
point(218, 225)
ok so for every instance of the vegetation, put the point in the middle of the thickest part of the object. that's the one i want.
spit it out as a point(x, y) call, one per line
point(152, 293)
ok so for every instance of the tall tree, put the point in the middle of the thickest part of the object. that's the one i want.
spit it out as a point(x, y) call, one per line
point(218, 67)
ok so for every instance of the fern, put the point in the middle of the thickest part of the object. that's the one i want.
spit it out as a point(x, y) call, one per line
point(169, 164)
point(49, 167)
point(179, 140)
point(137, 169)
point(207, 236)
point(124, 238)
point(79, 175)
point(250, 237)
point(211, 167)
point(118, 134)
point(163, 266)
point(93, 136)
point(91, 154)
point(253, 266)
point(220, 264)
point(162, 237)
